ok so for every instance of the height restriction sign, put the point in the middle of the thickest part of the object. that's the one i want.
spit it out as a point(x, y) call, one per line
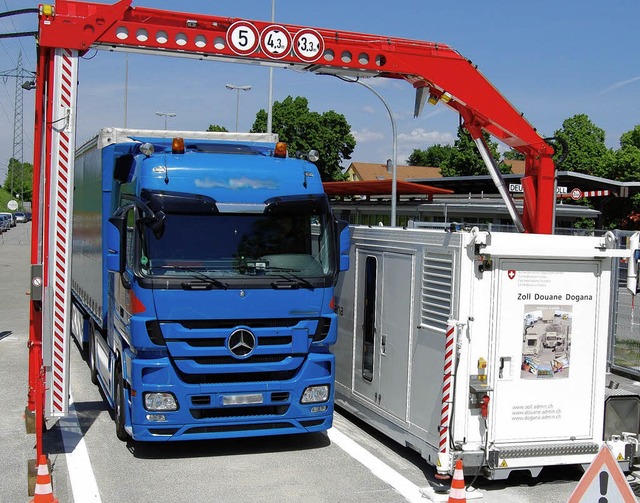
point(308, 45)
point(275, 41)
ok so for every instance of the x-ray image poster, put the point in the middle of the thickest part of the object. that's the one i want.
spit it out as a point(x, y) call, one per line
point(546, 341)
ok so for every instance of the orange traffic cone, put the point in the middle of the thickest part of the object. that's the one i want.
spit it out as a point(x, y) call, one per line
point(43, 492)
point(457, 493)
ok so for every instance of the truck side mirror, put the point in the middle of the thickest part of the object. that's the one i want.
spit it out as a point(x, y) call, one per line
point(116, 233)
point(345, 244)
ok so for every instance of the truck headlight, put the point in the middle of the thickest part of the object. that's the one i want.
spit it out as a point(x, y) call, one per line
point(160, 401)
point(315, 394)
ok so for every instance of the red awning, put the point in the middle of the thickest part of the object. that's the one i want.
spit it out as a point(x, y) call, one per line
point(379, 188)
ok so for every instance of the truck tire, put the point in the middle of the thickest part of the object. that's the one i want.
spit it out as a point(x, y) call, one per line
point(119, 401)
point(92, 353)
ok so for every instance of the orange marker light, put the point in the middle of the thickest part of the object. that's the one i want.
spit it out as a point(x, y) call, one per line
point(281, 150)
point(177, 146)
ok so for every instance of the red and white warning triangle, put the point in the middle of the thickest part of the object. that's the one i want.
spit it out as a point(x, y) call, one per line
point(603, 481)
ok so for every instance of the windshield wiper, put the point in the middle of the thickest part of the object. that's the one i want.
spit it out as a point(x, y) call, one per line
point(202, 281)
point(291, 281)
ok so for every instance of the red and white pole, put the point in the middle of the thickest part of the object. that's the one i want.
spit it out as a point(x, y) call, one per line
point(443, 465)
point(57, 298)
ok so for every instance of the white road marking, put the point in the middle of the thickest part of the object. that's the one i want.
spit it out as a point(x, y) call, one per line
point(83, 482)
point(381, 470)
point(85, 488)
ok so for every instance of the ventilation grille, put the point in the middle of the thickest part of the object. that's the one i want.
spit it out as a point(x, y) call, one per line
point(437, 282)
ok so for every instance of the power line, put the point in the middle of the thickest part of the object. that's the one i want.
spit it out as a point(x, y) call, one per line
point(17, 34)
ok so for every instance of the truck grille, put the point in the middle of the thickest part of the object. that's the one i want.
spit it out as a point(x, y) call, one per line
point(229, 324)
point(275, 347)
point(262, 410)
point(229, 360)
point(240, 377)
point(216, 343)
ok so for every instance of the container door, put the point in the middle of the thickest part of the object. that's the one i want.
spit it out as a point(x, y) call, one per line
point(367, 320)
point(395, 329)
point(383, 325)
point(546, 351)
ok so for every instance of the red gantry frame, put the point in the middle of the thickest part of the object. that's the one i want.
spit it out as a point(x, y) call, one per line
point(68, 29)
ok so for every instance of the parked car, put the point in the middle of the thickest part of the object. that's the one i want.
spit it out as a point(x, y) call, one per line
point(21, 216)
point(12, 218)
point(5, 222)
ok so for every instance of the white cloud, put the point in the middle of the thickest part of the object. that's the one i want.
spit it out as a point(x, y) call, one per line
point(367, 136)
point(422, 138)
point(368, 110)
point(621, 84)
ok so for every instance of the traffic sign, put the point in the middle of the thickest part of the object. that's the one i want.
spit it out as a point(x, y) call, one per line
point(308, 45)
point(243, 38)
point(603, 481)
point(12, 205)
point(576, 194)
point(275, 41)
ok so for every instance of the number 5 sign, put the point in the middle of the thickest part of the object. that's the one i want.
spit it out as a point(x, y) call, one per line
point(243, 38)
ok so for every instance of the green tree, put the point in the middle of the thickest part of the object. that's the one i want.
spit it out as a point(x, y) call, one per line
point(434, 156)
point(215, 128)
point(19, 181)
point(631, 138)
point(461, 159)
point(513, 155)
point(623, 165)
point(465, 159)
point(303, 130)
point(586, 146)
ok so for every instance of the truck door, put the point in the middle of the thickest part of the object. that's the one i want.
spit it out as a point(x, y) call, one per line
point(120, 301)
point(545, 393)
point(383, 329)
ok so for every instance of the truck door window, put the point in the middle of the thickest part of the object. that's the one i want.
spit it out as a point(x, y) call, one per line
point(369, 317)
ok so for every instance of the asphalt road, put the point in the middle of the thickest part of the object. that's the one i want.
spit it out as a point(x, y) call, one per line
point(350, 463)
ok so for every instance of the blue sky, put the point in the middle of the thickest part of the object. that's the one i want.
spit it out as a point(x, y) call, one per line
point(550, 59)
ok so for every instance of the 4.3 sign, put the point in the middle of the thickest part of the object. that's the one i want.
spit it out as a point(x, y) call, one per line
point(275, 41)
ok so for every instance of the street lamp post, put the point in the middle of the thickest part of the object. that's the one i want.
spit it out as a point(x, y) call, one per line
point(166, 115)
point(394, 157)
point(233, 87)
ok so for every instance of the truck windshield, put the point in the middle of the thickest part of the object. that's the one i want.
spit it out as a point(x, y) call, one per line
point(290, 244)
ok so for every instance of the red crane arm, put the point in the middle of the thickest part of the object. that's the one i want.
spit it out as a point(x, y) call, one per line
point(435, 70)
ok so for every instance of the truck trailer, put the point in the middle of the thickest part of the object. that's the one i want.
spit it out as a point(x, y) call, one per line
point(435, 338)
point(203, 271)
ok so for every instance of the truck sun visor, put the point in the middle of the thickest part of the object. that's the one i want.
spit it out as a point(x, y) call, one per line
point(179, 202)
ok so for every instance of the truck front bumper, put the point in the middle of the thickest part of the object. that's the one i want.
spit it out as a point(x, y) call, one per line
point(230, 409)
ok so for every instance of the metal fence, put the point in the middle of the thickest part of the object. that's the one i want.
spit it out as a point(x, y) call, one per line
point(624, 339)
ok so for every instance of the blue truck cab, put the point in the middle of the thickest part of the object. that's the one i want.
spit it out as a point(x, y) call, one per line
point(203, 271)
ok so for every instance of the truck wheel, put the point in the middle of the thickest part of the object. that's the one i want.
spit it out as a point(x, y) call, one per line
point(121, 433)
point(92, 354)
